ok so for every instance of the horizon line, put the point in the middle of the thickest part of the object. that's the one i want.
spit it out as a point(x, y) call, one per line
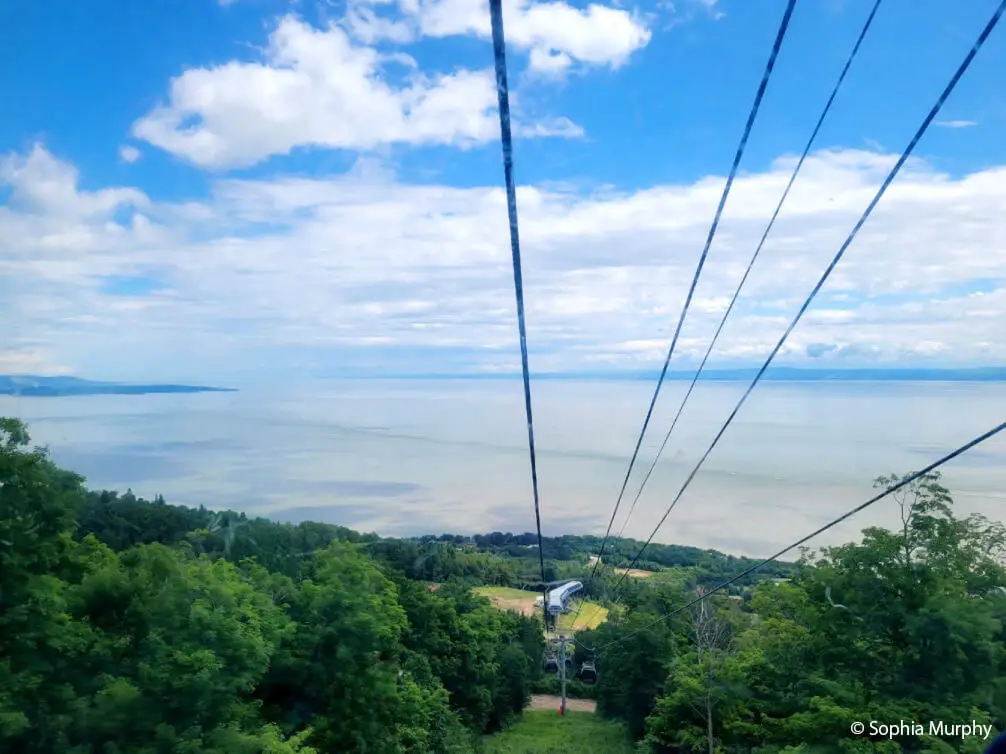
point(815, 374)
point(723, 374)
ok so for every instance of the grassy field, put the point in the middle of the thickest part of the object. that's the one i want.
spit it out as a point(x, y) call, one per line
point(505, 598)
point(635, 573)
point(546, 732)
point(591, 616)
point(505, 592)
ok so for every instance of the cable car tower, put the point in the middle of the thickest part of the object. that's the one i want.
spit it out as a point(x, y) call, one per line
point(564, 660)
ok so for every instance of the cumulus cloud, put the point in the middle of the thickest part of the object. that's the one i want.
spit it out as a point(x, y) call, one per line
point(555, 33)
point(317, 87)
point(956, 123)
point(549, 63)
point(43, 185)
point(128, 153)
point(364, 271)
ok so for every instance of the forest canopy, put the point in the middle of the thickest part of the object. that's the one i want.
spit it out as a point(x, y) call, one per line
point(129, 625)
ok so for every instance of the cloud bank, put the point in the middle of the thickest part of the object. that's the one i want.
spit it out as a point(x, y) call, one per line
point(278, 274)
point(362, 271)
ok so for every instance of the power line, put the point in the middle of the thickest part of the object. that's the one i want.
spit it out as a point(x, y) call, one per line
point(506, 138)
point(876, 498)
point(780, 35)
point(862, 220)
point(754, 257)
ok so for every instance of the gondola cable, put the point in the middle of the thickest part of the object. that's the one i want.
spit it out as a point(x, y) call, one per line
point(927, 121)
point(754, 257)
point(803, 540)
point(752, 115)
point(506, 139)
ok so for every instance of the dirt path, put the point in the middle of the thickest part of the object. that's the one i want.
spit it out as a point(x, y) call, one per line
point(547, 701)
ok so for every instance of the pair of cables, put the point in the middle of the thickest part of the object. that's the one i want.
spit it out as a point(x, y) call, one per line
point(738, 155)
point(920, 132)
point(803, 540)
point(507, 144)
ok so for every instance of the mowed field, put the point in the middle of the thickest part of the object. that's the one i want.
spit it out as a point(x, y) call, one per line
point(591, 616)
point(547, 732)
point(635, 573)
point(505, 598)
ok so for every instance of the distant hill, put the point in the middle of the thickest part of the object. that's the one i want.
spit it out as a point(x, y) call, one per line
point(794, 374)
point(52, 387)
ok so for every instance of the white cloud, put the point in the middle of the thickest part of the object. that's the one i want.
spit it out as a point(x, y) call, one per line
point(318, 88)
point(369, 28)
point(956, 123)
point(353, 269)
point(685, 11)
point(128, 153)
point(29, 361)
point(555, 33)
point(552, 127)
point(549, 63)
point(43, 185)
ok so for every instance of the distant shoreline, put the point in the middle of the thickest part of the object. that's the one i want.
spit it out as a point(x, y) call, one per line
point(29, 386)
point(781, 374)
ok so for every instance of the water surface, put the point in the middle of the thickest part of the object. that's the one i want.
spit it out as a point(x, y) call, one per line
point(410, 457)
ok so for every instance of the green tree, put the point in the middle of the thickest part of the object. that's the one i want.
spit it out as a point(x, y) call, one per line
point(339, 669)
point(705, 683)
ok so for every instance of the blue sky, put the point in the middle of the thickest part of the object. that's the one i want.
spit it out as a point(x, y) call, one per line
point(205, 190)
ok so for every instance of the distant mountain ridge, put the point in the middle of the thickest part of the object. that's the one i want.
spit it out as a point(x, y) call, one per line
point(51, 387)
point(40, 386)
point(773, 374)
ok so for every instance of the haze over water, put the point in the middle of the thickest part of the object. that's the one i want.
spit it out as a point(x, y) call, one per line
point(415, 457)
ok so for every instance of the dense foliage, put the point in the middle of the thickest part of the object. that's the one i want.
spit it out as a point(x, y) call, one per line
point(906, 625)
point(128, 626)
point(137, 626)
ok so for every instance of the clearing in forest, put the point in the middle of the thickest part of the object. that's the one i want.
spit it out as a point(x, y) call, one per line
point(591, 616)
point(635, 573)
point(505, 598)
point(546, 732)
point(552, 702)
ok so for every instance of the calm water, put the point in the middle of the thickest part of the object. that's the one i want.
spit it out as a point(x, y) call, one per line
point(428, 457)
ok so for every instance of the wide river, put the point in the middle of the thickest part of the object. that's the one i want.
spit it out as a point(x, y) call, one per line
point(410, 457)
